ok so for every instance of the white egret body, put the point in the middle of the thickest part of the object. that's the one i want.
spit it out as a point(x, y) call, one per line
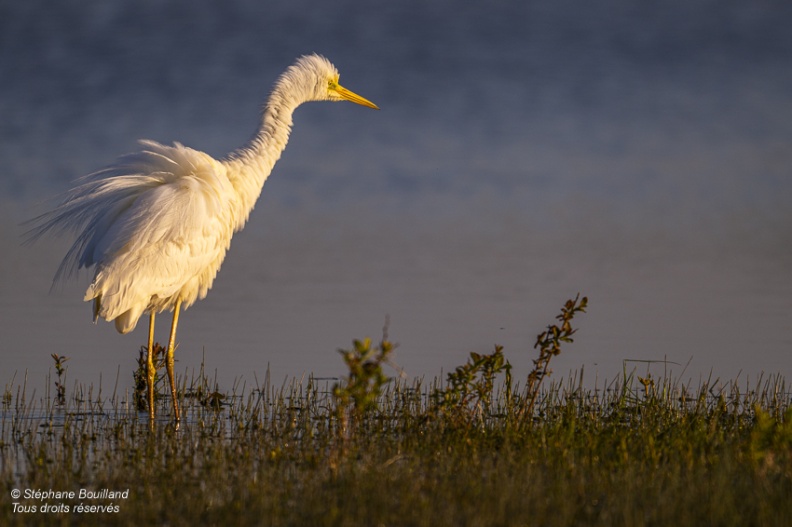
point(157, 224)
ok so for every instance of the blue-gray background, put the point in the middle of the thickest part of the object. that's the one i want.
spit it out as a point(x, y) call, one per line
point(525, 151)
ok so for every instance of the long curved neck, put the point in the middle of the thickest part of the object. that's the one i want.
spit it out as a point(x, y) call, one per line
point(249, 166)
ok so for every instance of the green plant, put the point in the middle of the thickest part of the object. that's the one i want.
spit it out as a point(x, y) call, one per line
point(357, 395)
point(549, 344)
point(470, 387)
point(60, 371)
point(140, 375)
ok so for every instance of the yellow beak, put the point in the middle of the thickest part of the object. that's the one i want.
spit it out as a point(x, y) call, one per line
point(353, 97)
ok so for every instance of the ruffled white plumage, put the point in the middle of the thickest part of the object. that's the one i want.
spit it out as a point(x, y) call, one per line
point(156, 225)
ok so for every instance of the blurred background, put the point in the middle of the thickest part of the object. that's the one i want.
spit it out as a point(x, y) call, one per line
point(526, 151)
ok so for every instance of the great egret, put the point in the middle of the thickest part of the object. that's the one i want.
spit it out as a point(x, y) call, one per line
point(157, 224)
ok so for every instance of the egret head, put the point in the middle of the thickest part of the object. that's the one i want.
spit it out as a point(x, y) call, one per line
point(317, 79)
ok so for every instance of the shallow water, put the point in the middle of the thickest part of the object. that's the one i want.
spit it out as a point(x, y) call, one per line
point(524, 153)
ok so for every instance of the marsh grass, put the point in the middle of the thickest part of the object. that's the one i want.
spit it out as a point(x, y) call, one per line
point(716, 454)
point(370, 450)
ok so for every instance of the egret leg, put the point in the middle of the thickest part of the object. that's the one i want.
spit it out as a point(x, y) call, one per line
point(169, 360)
point(151, 372)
